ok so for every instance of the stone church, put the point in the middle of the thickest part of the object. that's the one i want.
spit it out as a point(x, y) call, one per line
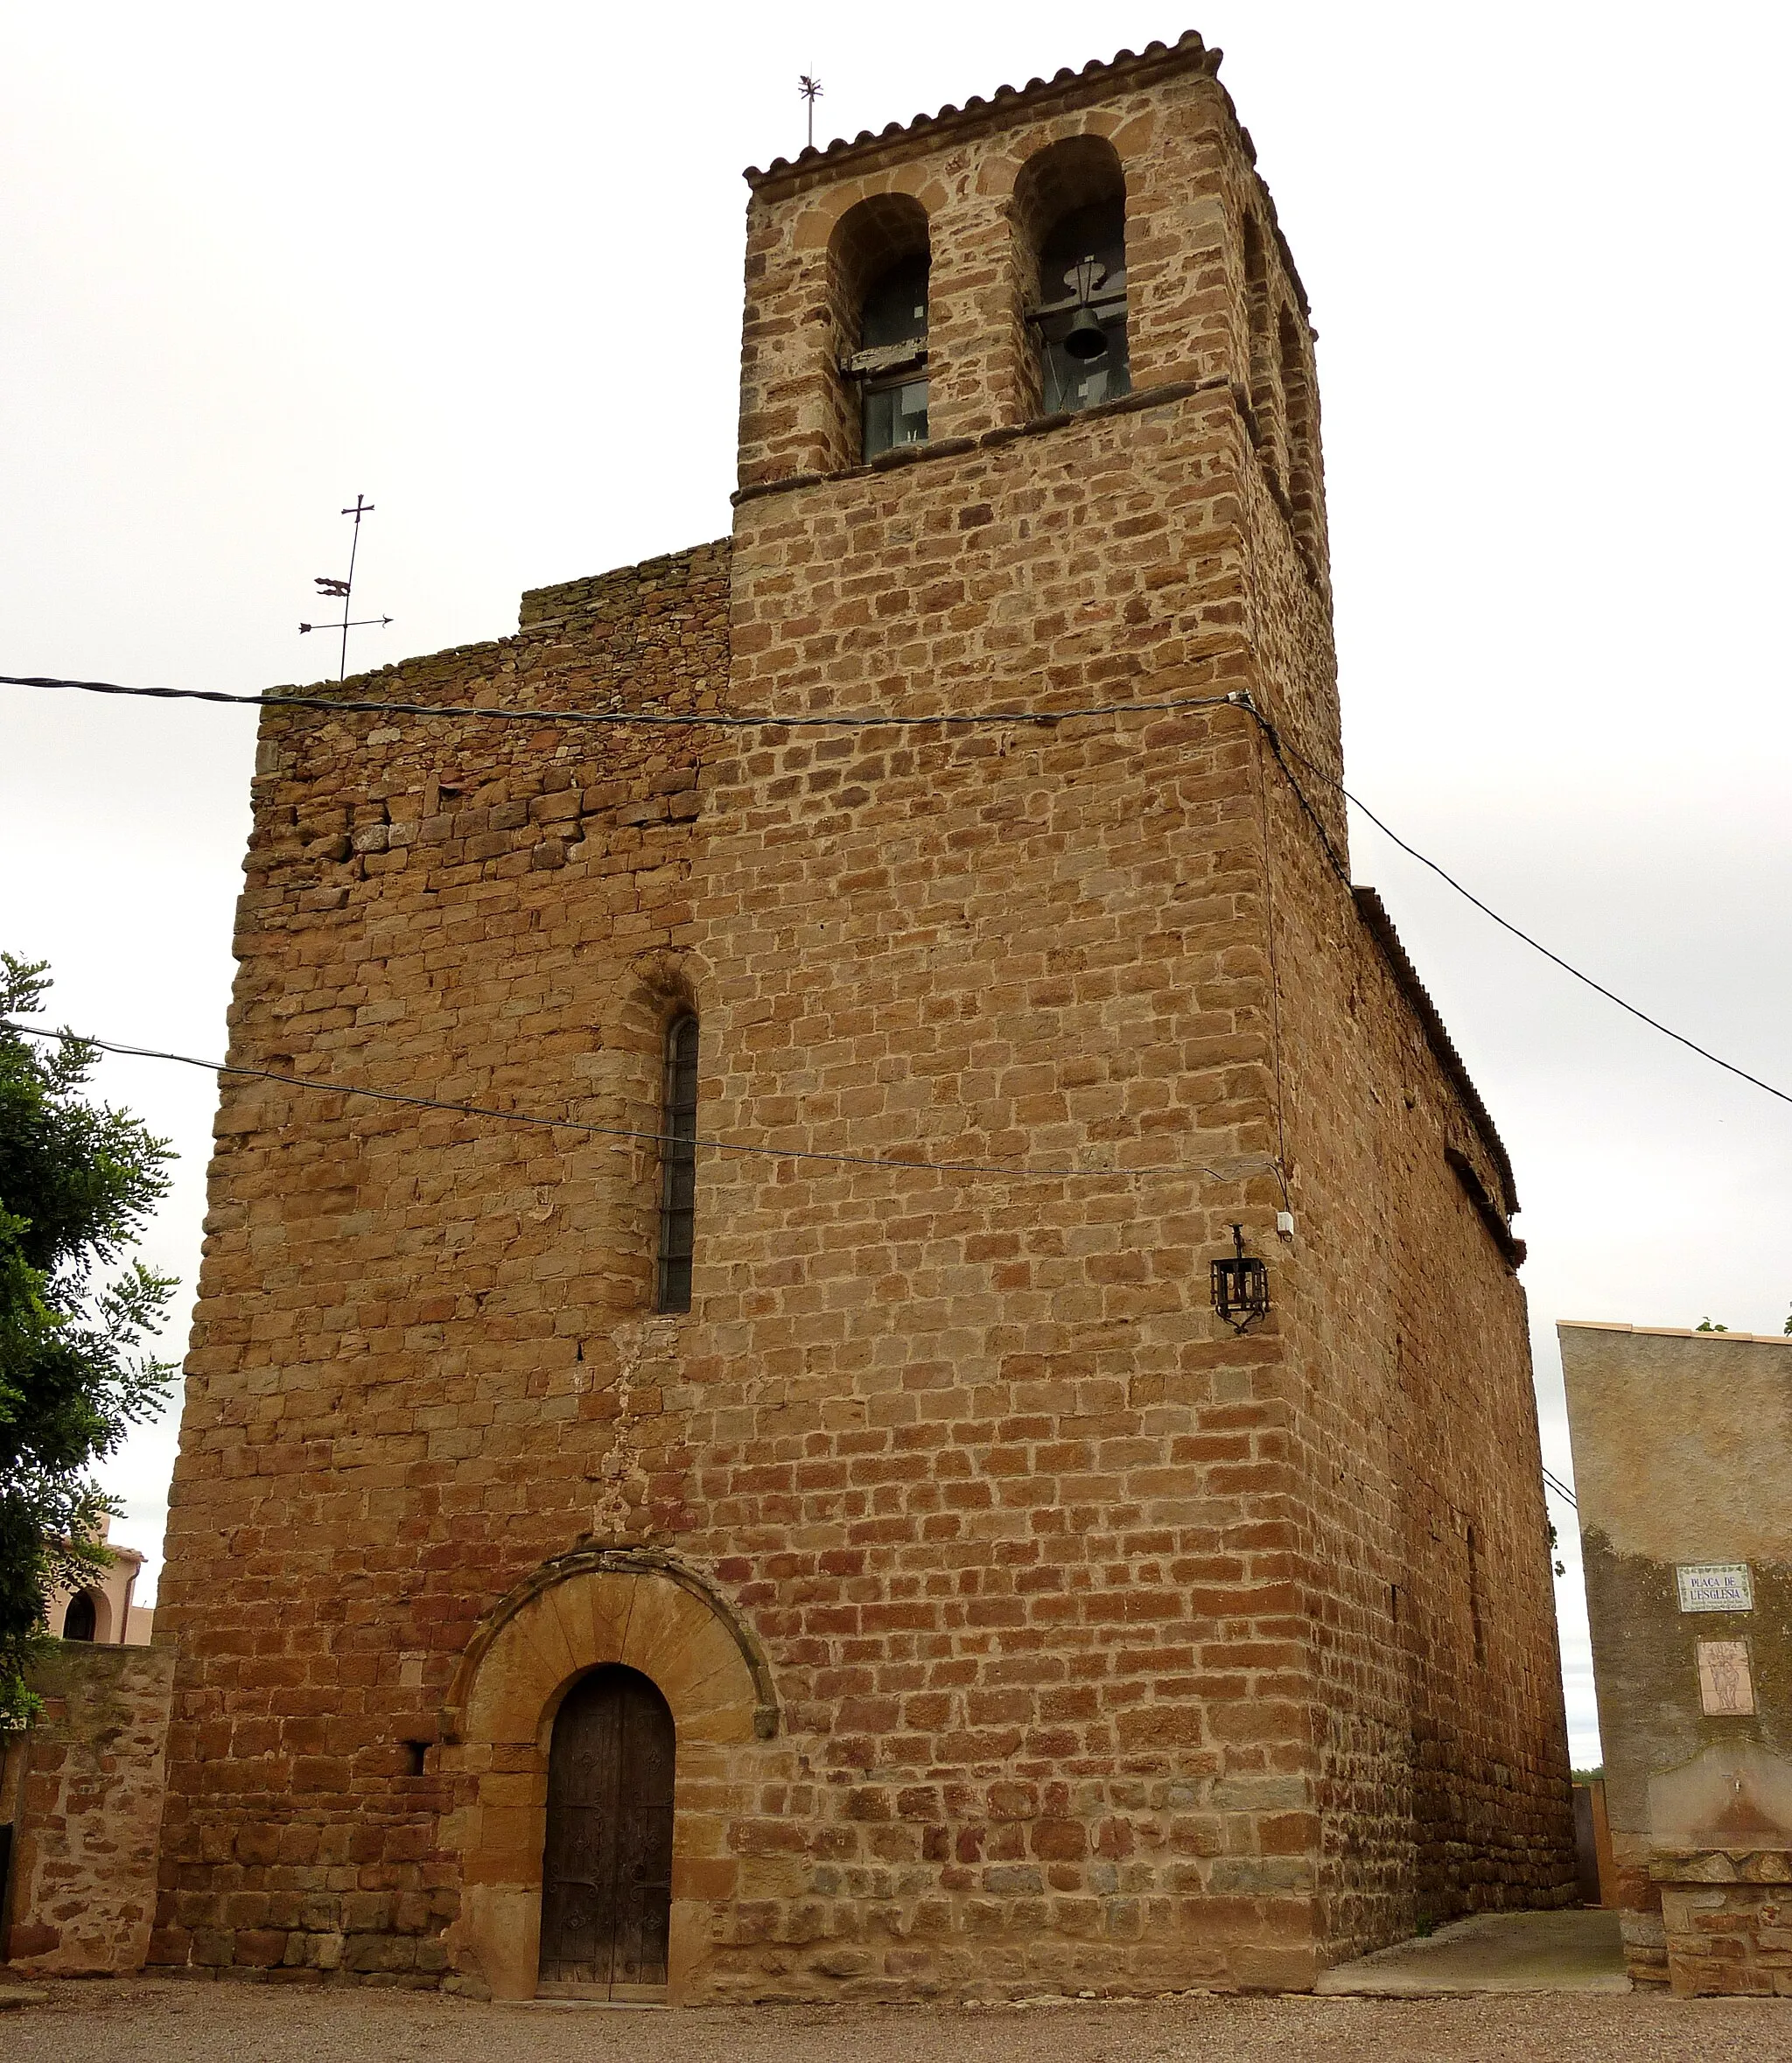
point(915, 1385)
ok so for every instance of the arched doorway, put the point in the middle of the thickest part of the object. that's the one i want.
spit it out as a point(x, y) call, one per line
point(606, 1863)
point(597, 1606)
point(82, 1620)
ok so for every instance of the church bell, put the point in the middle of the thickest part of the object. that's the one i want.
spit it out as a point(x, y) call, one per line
point(1085, 339)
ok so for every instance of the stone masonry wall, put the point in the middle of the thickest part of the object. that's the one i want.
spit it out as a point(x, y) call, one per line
point(1029, 1588)
point(1444, 1779)
point(1375, 1793)
point(83, 1789)
point(409, 1365)
point(1727, 1925)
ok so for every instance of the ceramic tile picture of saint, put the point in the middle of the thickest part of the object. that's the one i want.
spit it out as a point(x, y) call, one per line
point(1725, 1688)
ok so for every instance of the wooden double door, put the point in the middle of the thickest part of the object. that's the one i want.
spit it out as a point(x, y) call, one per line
point(607, 1868)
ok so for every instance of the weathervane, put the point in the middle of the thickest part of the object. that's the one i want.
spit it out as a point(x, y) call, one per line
point(341, 590)
point(810, 88)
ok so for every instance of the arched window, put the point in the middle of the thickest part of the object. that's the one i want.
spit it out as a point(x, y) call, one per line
point(1072, 204)
point(880, 265)
point(678, 1166)
point(82, 1620)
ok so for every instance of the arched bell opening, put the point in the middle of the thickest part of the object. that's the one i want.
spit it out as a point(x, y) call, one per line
point(606, 1857)
point(1070, 207)
point(881, 269)
point(1266, 398)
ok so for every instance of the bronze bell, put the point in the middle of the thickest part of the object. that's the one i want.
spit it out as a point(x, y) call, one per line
point(1085, 339)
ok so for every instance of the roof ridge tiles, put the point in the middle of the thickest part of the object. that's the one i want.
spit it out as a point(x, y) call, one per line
point(1187, 44)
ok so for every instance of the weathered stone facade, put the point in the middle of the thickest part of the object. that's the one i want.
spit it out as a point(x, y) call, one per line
point(1683, 1461)
point(1025, 1626)
point(81, 1795)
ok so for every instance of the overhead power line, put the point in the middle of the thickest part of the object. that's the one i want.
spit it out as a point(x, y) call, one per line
point(700, 720)
point(1567, 967)
point(1282, 752)
point(1555, 1483)
point(1239, 699)
point(1256, 1165)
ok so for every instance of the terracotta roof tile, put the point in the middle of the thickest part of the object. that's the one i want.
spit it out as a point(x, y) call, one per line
point(1186, 50)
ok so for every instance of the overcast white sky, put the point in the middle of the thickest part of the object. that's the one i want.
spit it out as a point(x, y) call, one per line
point(484, 265)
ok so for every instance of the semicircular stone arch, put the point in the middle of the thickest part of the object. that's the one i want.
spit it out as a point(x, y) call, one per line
point(597, 1605)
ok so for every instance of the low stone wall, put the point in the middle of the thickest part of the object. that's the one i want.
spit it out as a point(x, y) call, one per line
point(82, 1790)
point(1725, 1926)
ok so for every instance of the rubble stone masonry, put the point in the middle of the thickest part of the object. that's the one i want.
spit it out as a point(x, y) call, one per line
point(1027, 1628)
point(81, 1797)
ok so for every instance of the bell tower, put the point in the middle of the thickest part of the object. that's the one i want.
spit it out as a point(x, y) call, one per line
point(1084, 482)
point(1097, 308)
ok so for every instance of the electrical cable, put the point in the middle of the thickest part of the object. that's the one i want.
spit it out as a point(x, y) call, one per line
point(706, 720)
point(1469, 895)
point(1567, 967)
point(1554, 1482)
point(1236, 699)
point(604, 1132)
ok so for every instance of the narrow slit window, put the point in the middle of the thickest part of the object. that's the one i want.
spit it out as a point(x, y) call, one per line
point(1476, 1628)
point(678, 1167)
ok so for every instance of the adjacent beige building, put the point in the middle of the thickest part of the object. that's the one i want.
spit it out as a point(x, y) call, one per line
point(104, 1611)
point(1682, 1467)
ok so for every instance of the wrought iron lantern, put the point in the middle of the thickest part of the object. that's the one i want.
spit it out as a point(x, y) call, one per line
point(1240, 1285)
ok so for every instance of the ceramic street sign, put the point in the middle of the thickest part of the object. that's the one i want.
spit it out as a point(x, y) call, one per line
point(1715, 1586)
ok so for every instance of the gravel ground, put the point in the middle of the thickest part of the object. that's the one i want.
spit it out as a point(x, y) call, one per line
point(135, 2022)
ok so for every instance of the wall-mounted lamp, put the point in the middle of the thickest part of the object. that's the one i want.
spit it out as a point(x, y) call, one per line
point(1240, 1285)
